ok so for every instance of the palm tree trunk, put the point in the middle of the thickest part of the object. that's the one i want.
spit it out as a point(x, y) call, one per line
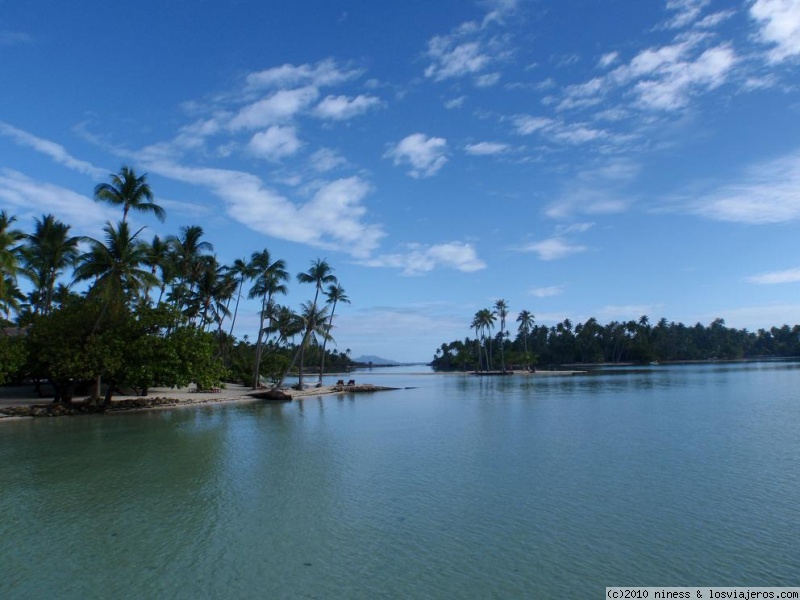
point(324, 342)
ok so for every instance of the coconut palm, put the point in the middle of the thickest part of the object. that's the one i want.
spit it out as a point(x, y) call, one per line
point(186, 253)
point(117, 266)
point(157, 258)
point(334, 294)
point(486, 318)
point(319, 273)
point(46, 253)
point(9, 263)
point(526, 321)
point(268, 277)
point(501, 306)
point(313, 324)
point(130, 192)
point(240, 270)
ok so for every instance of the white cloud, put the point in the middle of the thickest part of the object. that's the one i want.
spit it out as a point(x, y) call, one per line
point(423, 259)
point(546, 292)
point(487, 80)
point(775, 277)
point(451, 60)
point(688, 11)
point(779, 22)
point(608, 59)
point(767, 193)
point(675, 83)
point(455, 102)
point(527, 124)
point(333, 218)
point(324, 73)
point(31, 198)
point(340, 108)
point(487, 148)
point(598, 190)
point(55, 151)
point(425, 155)
point(276, 108)
point(275, 143)
point(326, 159)
point(554, 248)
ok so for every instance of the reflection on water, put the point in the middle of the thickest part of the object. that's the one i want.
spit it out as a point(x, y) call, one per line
point(460, 487)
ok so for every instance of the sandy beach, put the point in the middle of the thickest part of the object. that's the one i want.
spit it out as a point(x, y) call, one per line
point(25, 397)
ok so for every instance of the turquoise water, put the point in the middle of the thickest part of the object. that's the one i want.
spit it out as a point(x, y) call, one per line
point(462, 487)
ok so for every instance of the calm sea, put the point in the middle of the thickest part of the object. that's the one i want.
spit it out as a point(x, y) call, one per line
point(462, 487)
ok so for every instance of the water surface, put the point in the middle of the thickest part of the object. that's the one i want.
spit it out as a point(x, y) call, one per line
point(460, 487)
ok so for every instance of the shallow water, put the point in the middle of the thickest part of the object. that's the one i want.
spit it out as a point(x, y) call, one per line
point(461, 487)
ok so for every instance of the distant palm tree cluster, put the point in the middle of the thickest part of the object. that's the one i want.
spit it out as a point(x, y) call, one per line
point(125, 273)
point(616, 342)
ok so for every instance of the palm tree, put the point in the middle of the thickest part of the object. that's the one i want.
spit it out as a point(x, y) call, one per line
point(268, 277)
point(186, 253)
point(319, 273)
point(485, 319)
point(313, 324)
point(501, 306)
point(240, 270)
point(115, 265)
point(157, 258)
point(130, 192)
point(526, 321)
point(335, 294)
point(9, 263)
point(46, 253)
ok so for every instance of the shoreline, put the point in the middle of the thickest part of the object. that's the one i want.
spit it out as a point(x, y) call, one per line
point(16, 406)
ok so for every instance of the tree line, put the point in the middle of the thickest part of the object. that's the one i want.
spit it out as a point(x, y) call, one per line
point(634, 341)
point(154, 313)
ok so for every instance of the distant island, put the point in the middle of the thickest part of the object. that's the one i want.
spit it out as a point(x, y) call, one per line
point(375, 361)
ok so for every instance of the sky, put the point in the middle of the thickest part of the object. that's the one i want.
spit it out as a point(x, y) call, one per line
point(577, 158)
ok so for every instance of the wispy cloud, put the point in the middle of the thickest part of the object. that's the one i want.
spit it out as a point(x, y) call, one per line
point(55, 151)
point(547, 292)
point(333, 218)
point(486, 148)
point(554, 248)
point(276, 108)
point(418, 258)
point(779, 27)
point(425, 155)
point(32, 198)
point(776, 277)
point(14, 38)
point(324, 73)
point(594, 191)
point(341, 108)
point(275, 143)
point(767, 193)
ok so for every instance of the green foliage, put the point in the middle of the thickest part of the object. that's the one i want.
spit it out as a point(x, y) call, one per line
point(13, 354)
point(616, 342)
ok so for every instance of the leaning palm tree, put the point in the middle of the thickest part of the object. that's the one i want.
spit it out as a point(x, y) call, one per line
point(130, 192)
point(240, 270)
point(319, 273)
point(526, 321)
point(501, 306)
point(46, 253)
point(335, 294)
point(117, 267)
point(268, 277)
point(313, 324)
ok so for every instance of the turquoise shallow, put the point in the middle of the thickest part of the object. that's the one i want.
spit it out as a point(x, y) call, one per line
point(463, 487)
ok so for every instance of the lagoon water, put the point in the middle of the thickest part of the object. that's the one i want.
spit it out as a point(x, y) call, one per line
point(463, 487)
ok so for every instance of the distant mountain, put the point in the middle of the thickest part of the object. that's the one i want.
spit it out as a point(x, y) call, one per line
point(375, 360)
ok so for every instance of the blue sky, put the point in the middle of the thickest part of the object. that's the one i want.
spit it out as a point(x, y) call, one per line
point(577, 158)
